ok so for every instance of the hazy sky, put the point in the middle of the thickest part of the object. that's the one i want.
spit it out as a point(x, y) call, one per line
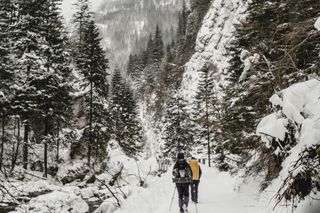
point(68, 8)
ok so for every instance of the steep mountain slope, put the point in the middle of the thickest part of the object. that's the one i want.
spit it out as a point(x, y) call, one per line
point(126, 24)
point(214, 36)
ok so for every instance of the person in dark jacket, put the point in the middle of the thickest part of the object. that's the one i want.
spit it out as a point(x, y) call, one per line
point(196, 175)
point(182, 174)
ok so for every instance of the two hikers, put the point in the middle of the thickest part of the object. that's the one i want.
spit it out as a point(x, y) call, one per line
point(183, 176)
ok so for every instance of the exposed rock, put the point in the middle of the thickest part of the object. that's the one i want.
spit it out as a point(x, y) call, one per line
point(92, 179)
point(37, 166)
point(59, 201)
point(78, 150)
point(73, 177)
point(71, 172)
point(52, 170)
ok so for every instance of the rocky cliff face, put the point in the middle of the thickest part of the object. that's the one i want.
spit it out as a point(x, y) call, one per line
point(213, 38)
point(127, 24)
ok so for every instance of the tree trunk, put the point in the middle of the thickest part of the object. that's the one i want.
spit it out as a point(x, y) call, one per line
point(90, 122)
point(26, 127)
point(208, 138)
point(13, 144)
point(25, 144)
point(208, 126)
point(58, 143)
point(45, 159)
point(16, 151)
point(179, 128)
point(2, 144)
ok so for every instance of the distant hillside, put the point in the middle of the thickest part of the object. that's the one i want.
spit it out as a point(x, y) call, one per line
point(126, 24)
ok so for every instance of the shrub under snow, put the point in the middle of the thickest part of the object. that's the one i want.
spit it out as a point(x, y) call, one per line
point(293, 133)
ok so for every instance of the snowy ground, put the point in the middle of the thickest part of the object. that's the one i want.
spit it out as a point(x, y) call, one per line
point(216, 194)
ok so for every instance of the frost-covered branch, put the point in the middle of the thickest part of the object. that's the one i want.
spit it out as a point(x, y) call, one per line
point(302, 177)
point(249, 62)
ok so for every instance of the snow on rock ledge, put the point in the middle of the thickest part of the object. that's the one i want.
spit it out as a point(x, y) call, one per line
point(215, 34)
point(59, 202)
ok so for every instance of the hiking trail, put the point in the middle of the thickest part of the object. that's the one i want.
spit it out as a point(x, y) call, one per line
point(216, 195)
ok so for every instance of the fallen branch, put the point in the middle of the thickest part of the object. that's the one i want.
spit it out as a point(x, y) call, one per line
point(33, 175)
point(103, 183)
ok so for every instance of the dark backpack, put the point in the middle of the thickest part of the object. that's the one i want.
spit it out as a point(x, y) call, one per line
point(181, 172)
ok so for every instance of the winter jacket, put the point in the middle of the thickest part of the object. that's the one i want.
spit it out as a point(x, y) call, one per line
point(196, 169)
point(182, 172)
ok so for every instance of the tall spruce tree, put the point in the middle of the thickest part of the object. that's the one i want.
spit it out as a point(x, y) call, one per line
point(6, 70)
point(81, 18)
point(117, 93)
point(29, 63)
point(54, 101)
point(206, 110)
point(133, 134)
point(93, 65)
point(157, 51)
point(177, 133)
point(126, 124)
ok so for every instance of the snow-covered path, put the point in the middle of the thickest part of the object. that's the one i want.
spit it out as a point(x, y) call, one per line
point(216, 195)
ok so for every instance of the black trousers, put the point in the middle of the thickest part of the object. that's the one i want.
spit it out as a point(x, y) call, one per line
point(183, 192)
point(194, 190)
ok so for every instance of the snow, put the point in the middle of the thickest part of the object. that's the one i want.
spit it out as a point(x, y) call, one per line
point(216, 193)
point(35, 187)
point(131, 165)
point(300, 104)
point(298, 100)
point(214, 36)
point(271, 125)
point(59, 202)
point(248, 62)
point(106, 207)
point(276, 100)
point(317, 24)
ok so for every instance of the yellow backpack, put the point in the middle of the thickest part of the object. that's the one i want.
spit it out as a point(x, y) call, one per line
point(194, 164)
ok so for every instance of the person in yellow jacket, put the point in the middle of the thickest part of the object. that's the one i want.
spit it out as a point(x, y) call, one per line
point(196, 175)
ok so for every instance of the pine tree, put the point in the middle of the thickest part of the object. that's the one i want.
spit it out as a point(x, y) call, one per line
point(81, 18)
point(181, 30)
point(117, 92)
point(126, 125)
point(29, 62)
point(54, 101)
point(157, 51)
point(148, 52)
point(101, 127)
point(133, 134)
point(177, 127)
point(206, 110)
point(6, 71)
point(93, 65)
point(130, 66)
